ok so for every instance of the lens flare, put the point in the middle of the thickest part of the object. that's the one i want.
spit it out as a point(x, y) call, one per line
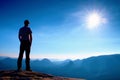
point(93, 20)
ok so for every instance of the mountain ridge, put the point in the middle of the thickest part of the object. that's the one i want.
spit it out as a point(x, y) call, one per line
point(105, 67)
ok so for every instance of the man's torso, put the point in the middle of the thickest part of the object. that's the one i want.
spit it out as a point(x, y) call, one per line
point(24, 32)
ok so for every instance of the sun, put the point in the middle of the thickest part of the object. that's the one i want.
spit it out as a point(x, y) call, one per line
point(93, 20)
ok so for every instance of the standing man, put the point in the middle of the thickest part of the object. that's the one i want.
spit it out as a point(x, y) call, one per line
point(25, 37)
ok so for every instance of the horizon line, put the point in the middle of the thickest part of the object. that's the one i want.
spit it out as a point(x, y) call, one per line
point(55, 59)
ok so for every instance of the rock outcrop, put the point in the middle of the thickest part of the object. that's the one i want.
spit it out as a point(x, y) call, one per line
point(28, 75)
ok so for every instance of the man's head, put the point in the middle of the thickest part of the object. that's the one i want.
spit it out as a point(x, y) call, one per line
point(26, 22)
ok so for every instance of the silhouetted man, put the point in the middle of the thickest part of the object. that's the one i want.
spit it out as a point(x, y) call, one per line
point(25, 37)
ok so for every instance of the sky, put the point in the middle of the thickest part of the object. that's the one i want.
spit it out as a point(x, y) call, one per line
point(60, 29)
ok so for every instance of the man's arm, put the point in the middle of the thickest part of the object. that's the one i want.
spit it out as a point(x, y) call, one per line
point(30, 38)
point(20, 37)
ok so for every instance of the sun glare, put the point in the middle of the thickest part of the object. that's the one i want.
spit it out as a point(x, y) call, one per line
point(93, 20)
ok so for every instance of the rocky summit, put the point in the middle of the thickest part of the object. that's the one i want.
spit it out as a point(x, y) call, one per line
point(29, 75)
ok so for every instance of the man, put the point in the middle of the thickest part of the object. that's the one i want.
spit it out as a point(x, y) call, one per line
point(25, 37)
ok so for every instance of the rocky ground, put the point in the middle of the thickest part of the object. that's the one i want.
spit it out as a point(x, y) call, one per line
point(28, 75)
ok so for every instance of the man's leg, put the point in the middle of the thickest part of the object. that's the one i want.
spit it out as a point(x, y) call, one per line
point(28, 57)
point(19, 62)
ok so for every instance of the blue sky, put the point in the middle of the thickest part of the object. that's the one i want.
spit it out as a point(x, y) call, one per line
point(59, 27)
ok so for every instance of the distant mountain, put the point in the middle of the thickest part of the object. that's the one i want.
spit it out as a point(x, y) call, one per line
point(8, 63)
point(102, 67)
point(106, 67)
point(2, 57)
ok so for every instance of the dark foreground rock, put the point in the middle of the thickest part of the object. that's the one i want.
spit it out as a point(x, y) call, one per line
point(28, 75)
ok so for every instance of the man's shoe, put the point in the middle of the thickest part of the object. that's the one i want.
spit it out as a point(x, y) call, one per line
point(19, 70)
